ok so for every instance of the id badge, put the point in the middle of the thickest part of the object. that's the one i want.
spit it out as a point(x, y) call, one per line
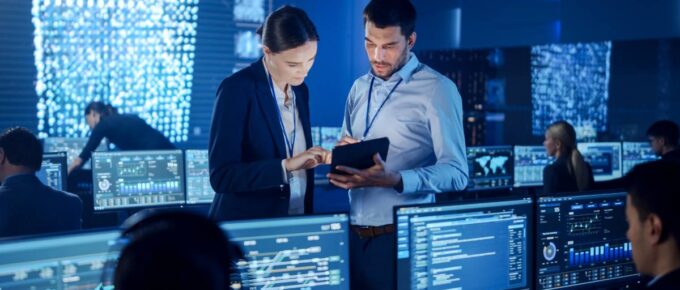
point(294, 183)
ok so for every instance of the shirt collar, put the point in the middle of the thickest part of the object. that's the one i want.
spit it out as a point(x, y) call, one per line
point(405, 72)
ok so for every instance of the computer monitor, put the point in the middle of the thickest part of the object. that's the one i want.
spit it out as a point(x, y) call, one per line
point(490, 167)
point(635, 153)
point(72, 147)
point(330, 136)
point(53, 170)
point(302, 252)
point(71, 261)
point(128, 179)
point(327, 137)
point(199, 189)
point(476, 245)
point(581, 241)
point(604, 158)
point(529, 164)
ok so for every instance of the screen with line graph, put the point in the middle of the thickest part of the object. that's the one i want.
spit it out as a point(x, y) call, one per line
point(199, 189)
point(303, 252)
point(582, 241)
point(64, 261)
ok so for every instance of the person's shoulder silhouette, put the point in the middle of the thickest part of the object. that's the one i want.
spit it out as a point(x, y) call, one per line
point(173, 250)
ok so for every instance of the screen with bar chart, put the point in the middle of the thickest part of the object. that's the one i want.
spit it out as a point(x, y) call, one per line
point(581, 241)
point(303, 252)
point(529, 164)
point(128, 179)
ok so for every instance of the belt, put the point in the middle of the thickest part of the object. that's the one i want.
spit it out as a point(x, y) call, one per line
point(372, 232)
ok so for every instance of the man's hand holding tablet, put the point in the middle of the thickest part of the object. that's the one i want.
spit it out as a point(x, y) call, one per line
point(357, 164)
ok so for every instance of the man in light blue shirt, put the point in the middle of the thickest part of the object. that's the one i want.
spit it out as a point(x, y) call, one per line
point(420, 111)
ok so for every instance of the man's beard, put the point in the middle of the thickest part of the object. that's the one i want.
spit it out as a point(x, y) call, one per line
point(400, 64)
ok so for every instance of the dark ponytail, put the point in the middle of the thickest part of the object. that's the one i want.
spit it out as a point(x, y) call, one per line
point(101, 108)
point(286, 28)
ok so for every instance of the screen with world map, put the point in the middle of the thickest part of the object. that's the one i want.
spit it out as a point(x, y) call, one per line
point(491, 167)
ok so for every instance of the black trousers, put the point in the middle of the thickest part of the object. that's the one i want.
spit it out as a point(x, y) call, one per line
point(372, 262)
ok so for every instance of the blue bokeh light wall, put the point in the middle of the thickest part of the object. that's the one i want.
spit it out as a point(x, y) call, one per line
point(137, 55)
point(570, 82)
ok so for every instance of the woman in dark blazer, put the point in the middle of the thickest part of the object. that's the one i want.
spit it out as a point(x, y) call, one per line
point(570, 172)
point(260, 149)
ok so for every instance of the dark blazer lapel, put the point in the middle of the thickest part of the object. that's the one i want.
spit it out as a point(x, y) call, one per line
point(268, 107)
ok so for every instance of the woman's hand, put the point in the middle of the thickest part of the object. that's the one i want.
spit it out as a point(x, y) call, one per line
point(344, 141)
point(307, 160)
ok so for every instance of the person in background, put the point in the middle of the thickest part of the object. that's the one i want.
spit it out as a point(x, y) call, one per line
point(27, 206)
point(663, 137)
point(654, 221)
point(420, 111)
point(126, 131)
point(174, 251)
point(569, 172)
point(260, 149)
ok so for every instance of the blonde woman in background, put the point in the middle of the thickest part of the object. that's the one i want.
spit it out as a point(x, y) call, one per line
point(570, 172)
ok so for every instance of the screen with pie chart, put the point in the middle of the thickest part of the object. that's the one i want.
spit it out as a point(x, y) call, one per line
point(581, 241)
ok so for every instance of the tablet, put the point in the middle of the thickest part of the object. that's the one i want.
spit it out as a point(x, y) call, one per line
point(359, 155)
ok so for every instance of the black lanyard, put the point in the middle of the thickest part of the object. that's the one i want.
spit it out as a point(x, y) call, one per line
point(369, 124)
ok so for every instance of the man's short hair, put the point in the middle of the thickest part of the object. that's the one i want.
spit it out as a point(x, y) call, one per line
point(665, 129)
point(654, 188)
point(385, 13)
point(22, 148)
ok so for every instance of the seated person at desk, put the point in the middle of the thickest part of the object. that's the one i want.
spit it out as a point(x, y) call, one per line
point(127, 132)
point(26, 205)
point(663, 137)
point(570, 172)
point(654, 222)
